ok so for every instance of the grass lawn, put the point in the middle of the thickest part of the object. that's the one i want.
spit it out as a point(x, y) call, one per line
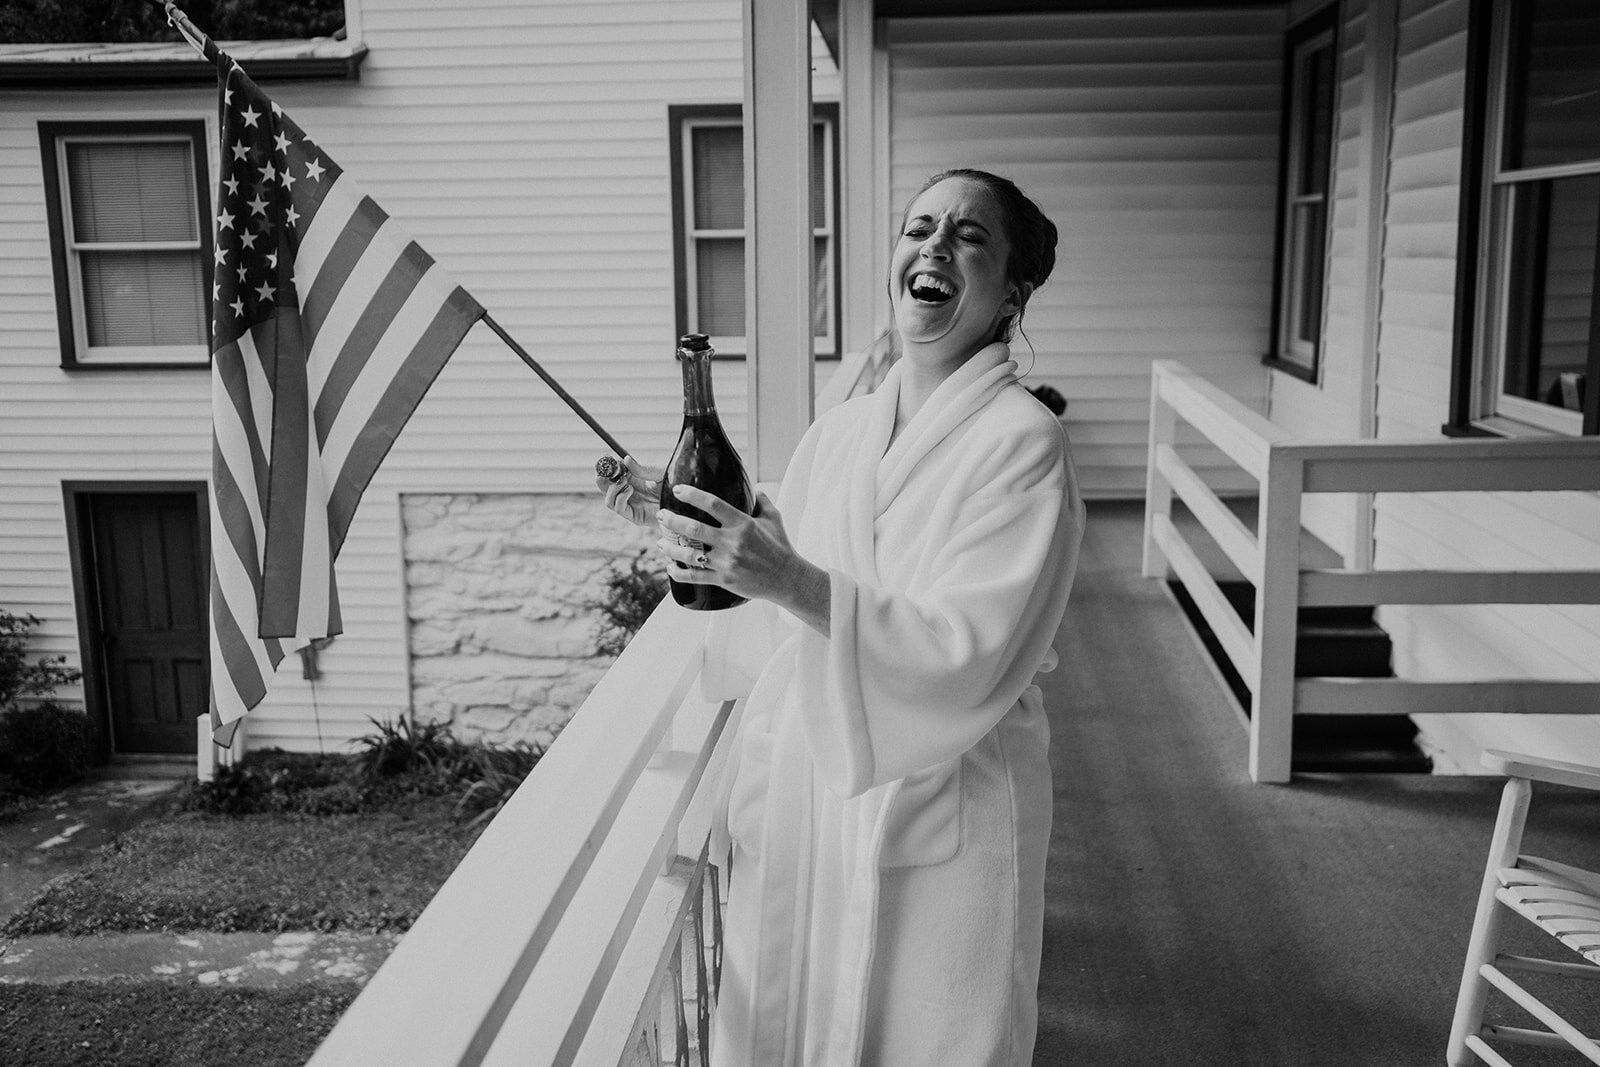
point(146, 1024)
point(188, 871)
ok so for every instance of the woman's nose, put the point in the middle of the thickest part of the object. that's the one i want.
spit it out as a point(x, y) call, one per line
point(937, 246)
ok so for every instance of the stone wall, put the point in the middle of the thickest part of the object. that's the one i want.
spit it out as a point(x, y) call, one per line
point(498, 588)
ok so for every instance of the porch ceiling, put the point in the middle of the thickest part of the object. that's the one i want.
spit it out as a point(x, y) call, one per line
point(932, 8)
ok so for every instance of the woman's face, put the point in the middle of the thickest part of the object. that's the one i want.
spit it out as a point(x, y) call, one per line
point(947, 277)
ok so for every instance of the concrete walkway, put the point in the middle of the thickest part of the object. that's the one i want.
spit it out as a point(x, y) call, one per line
point(256, 961)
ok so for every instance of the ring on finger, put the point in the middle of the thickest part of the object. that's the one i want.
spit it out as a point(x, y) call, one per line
point(701, 561)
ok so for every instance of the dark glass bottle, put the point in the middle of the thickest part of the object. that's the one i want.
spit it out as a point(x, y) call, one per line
point(705, 459)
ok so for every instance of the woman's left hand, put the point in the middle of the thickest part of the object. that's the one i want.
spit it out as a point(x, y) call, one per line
point(747, 554)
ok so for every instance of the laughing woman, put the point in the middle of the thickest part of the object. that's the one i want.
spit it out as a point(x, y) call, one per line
point(888, 798)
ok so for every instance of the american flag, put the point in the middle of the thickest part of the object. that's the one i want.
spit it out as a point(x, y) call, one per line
point(329, 324)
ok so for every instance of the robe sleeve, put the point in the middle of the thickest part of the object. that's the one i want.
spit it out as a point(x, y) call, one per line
point(909, 680)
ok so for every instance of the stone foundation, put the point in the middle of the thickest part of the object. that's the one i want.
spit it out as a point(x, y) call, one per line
point(498, 595)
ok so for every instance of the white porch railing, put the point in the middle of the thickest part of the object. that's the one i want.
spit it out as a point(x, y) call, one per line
point(1269, 557)
point(559, 938)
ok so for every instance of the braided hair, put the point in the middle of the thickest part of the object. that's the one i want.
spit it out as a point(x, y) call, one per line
point(1030, 233)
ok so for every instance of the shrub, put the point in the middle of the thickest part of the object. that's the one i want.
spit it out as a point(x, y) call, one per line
point(272, 780)
point(44, 745)
point(630, 596)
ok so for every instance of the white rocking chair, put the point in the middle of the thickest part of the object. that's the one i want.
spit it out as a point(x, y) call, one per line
point(1562, 901)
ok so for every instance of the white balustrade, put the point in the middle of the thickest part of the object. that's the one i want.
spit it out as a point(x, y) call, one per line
point(1270, 558)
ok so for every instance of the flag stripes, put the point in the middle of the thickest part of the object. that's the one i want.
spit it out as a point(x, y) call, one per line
point(329, 325)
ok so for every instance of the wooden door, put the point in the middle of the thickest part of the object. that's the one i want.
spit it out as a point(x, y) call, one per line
point(149, 573)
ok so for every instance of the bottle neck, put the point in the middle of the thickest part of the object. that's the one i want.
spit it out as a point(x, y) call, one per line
point(697, 398)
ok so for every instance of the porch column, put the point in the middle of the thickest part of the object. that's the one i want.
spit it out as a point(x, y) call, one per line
point(777, 183)
point(863, 176)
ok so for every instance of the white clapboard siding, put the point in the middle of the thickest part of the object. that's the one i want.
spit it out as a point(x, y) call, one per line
point(1462, 530)
point(525, 146)
point(1330, 408)
point(1151, 139)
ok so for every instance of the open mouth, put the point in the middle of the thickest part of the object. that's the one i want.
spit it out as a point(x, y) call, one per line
point(931, 288)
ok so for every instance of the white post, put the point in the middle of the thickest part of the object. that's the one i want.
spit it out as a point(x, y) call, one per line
point(778, 241)
point(1157, 490)
point(1277, 615)
point(860, 279)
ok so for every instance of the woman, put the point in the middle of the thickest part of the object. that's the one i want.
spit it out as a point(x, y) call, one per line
point(888, 799)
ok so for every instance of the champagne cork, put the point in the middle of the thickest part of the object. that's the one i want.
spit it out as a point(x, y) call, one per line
point(610, 469)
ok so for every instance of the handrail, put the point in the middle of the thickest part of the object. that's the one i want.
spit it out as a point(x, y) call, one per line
point(519, 951)
point(1286, 469)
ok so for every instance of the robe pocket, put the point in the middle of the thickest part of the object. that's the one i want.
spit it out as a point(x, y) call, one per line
point(747, 793)
point(924, 825)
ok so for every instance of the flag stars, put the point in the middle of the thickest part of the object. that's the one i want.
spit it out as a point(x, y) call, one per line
point(232, 185)
point(240, 151)
point(238, 308)
point(248, 240)
point(221, 254)
point(291, 216)
point(241, 272)
point(268, 171)
point(250, 115)
point(314, 170)
point(258, 206)
point(281, 141)
point(225, 220)
point(287, 179)
point(276, 110)
point(265, 291)
point(272, 260)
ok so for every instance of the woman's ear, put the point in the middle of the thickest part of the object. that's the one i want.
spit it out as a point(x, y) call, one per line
point(1017, 298)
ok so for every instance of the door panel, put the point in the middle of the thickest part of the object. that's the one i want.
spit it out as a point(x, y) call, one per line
point(150, 582)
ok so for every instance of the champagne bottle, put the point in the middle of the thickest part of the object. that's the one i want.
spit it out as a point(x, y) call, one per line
point(705, 459)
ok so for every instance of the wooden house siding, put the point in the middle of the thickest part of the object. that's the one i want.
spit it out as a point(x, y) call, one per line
point(1151, 139)
point(525, 146)
point(1331, 407)
point(1462, 530)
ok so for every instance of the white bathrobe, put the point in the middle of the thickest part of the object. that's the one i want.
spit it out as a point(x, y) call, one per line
point(888, 796)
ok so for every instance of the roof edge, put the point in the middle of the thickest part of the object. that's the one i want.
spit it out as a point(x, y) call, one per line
point(92, 67)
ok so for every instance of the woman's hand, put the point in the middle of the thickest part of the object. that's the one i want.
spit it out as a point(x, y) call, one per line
point(747, 554)
point(636, 495)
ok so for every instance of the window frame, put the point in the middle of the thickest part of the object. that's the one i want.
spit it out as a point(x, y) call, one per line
point(76, 353)
point(1482, 358)
point(1287, 353)
point(682, 119)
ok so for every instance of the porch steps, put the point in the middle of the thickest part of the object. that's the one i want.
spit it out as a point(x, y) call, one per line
point(1339, 642)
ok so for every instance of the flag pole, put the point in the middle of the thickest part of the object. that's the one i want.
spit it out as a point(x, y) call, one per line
point(576, 407)
point(186, 29)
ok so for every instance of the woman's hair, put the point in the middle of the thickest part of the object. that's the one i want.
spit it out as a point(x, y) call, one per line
point(1030, 233)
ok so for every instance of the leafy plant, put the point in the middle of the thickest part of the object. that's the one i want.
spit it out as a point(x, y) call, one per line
point(630, 596)
point(20, 677)
point(398, 746)
point(500, 770)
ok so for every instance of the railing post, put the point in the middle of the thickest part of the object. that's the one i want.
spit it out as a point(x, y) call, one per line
point(1157, 490)
point(1277, 615)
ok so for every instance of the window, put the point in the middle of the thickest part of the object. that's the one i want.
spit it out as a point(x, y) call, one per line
point(1310, 63)
point(708, 225)
point(130, 242)
point(1539, 358)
